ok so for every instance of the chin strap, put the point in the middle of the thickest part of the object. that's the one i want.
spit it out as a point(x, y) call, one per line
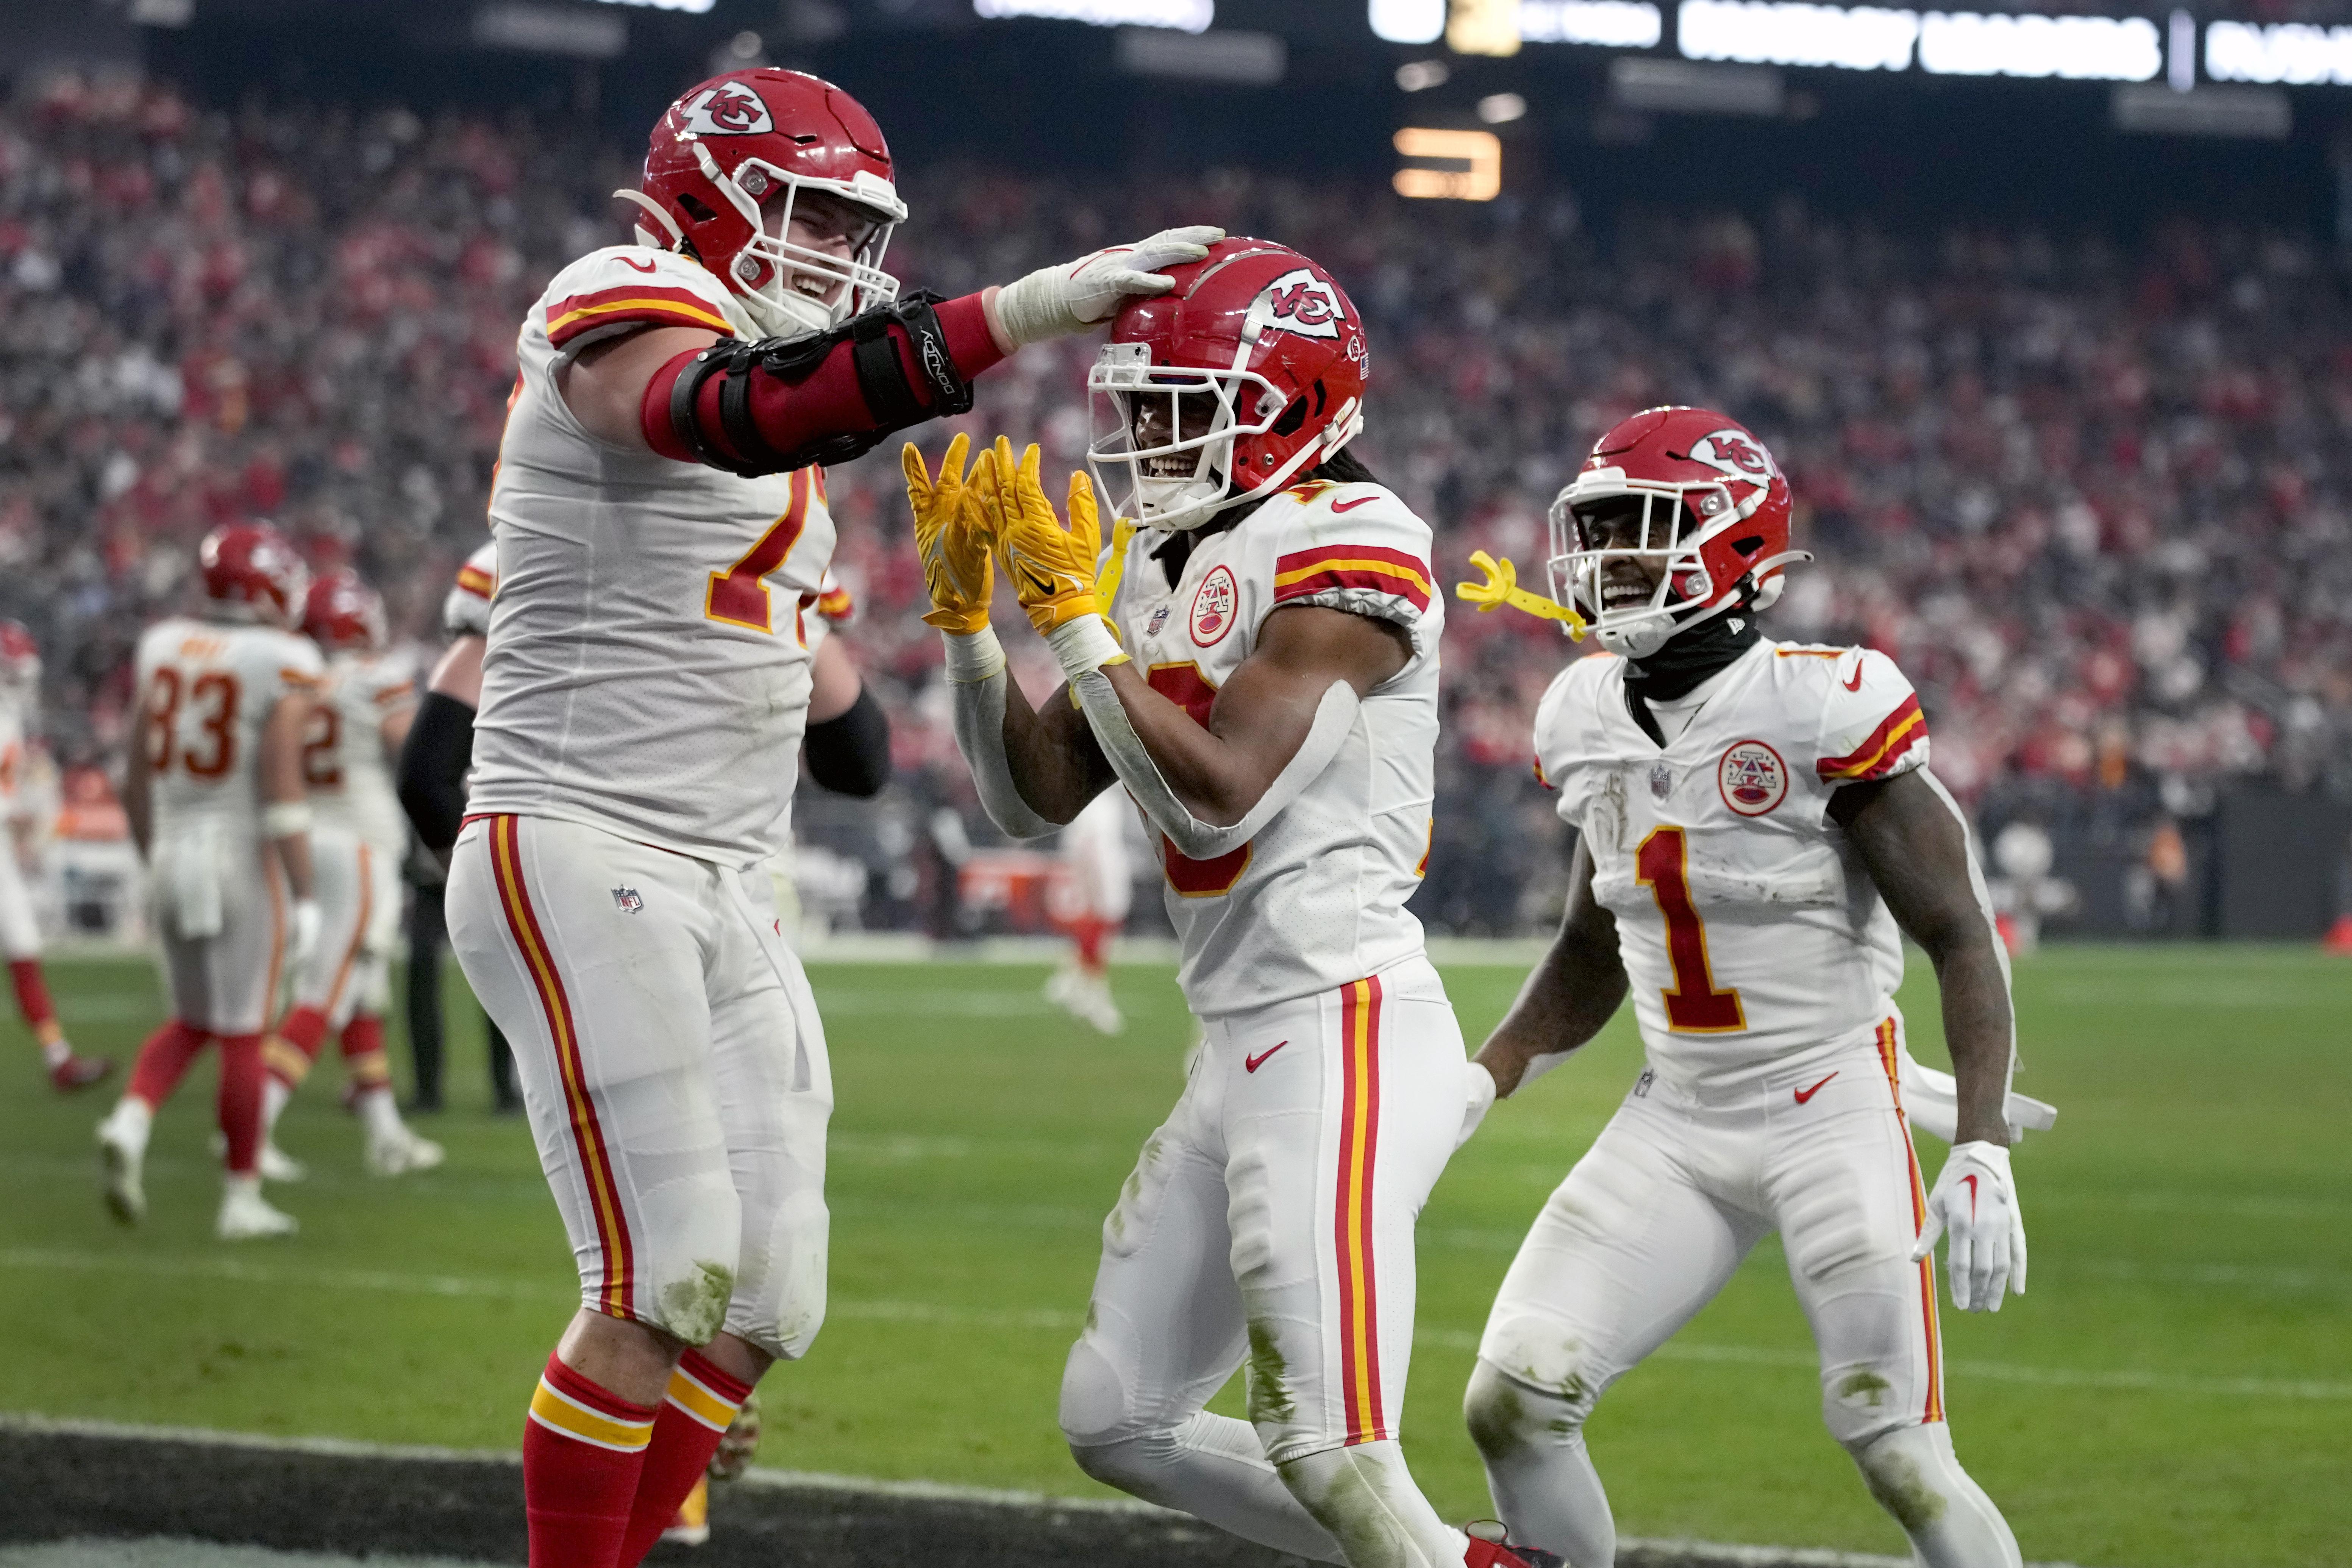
point(1502, 587)
point(1335, 717)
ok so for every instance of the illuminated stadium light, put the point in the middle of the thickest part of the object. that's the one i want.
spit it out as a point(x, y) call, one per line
point(1449, 165)
point(1605, 24)
point(1502, 108)
point(1409, 21)
point(2079, 48)
point(2286, 54)
point(1419, 76)
point(693, 8)
point(1483, 27)
point(1184, 15)
point(1790, 33)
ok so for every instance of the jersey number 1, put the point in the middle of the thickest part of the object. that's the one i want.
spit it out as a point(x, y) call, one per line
point(739, 595)
point(1694, 1007)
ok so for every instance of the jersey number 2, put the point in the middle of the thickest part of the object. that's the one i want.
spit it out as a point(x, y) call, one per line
point(1694, 1007)
point(1185, 686)
point(739, 595)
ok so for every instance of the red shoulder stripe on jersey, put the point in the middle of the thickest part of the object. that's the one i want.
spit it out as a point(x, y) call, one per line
point(834, 602)
point(475, 581)
point(1895, 734)
point(1393, 571)
point(576, 313)
point(1402, 561)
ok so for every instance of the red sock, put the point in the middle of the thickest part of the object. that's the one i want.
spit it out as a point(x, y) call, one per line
point(164, 1061)
point(1088, 933)
point(240, 1102)
point(582, 1450)
point(33, 999)
point(294, 1045)
point(363, 1057)
point(693, 1416)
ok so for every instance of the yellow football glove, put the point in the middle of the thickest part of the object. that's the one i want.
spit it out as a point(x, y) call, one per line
point(950, 538)
point(1052, 567)
point(1502, 587)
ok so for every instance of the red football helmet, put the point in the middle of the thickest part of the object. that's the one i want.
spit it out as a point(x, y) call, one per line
point(727, 163)
point(1220, 390)
point(343, 613)
point(20, 657)
point(252, 567)
point(1712, 503)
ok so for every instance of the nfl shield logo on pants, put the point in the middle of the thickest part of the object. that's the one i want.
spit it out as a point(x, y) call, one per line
point(628, 901)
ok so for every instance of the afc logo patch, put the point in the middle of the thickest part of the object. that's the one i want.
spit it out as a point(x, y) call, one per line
point(1300, 302)
point(1213, 607)
point(628, 901)
point(731, 109)
point(1752, 778)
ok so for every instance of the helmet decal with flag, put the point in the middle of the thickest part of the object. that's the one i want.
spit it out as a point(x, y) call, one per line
point(342, 612)
point(1713, 512)
point(726, 166)
point(1246, 374)
point(251, 570)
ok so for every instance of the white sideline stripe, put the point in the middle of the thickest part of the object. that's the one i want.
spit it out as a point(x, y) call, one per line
point(447, 1285)
point(1707, 1551)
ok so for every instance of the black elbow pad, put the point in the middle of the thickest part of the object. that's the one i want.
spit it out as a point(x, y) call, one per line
point(433, 763)
point(851, 755)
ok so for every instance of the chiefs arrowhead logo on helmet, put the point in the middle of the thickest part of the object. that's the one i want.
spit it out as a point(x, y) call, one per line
point(1736, 453)
point(1299, 302)
point(725, 109)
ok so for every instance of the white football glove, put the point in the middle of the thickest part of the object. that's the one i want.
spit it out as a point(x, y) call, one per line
point(304, 938)
point(1053, 301)
point(1478, 1092)
point(1975, 1202)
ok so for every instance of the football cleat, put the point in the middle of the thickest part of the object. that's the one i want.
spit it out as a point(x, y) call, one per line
point(399, 1153)
point(738, 1443)
point(275, 1165)
point(79, 1072)
point(245, 1214)
point(121, 1157)
point(1495, 1552)
point(692, 1527)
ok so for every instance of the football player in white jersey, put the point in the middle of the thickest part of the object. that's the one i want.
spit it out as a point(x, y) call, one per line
point(1257, 667)
point(20, 934)
point(1090, 901)
point(215, 793)
point(660, 518)
point(1756, 829)
point(356, 842)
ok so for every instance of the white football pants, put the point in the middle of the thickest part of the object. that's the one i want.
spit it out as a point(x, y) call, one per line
point(1647, 1228)
point(20, 933)
point(1270, 1219)
point(218, 904)
point(357, 885)
point(673, 1069)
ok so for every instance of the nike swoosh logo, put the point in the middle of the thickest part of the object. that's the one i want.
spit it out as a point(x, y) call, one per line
point(1805, 1094)
point(1251, 1064)
point(1967, 1182)
point(640, 266)
point(1044, 585)
point(1854, 684)
point(1338, 506)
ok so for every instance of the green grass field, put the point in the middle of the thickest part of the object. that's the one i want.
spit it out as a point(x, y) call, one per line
point(2176, 1390)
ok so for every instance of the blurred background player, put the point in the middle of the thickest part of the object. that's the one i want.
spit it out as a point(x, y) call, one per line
point(214, 790)
point(357, 840)
point(1282, 744)
point(1090, 901)
point(433, 763)
point(1756, 829)
point(20, 932)
point(644, 694)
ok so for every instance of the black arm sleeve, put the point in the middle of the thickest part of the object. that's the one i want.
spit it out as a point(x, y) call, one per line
point(851, 755)
point(433, 763)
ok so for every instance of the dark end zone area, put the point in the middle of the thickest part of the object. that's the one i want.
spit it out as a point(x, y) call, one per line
point(64, 1485)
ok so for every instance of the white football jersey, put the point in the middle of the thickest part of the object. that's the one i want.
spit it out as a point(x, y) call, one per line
point(466, 608)
point(1749, 927)
point(15, 758)
point(206, 691)
point(343, 759)
point(646, 672)
point(1316, 899)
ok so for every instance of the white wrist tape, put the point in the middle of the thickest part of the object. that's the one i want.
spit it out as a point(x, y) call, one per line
point(979, 736)
point(1334, 718)
point(285, 818)
point(1083, 642)
point(973, 657)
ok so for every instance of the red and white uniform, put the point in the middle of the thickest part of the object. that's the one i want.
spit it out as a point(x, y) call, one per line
point(207, 689)
point(466, 608)
point(358, 836)
point(644, 694)
point(1271, 1217)
point(1762, 964)
point(20, 932)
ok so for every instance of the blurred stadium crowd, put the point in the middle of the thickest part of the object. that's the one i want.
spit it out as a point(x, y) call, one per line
point(2096, 501)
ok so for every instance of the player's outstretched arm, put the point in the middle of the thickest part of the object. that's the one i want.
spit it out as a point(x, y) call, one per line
point(1913, 841)
point(1567, 997)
